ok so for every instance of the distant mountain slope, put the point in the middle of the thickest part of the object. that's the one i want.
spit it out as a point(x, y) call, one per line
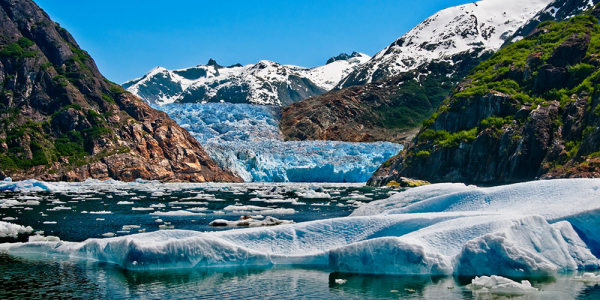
point(60, 119)
point(266, 82)
point(558, 10)
point(531, 111)
point(482, 25)
point(391, 109)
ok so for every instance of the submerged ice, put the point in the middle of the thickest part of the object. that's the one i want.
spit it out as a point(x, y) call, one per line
point(246, 139)
point(530, 229)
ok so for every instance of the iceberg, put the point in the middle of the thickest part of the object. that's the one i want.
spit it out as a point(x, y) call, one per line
point(246, 139)
point(500, 285)
point(501, 231)
point(10, 230)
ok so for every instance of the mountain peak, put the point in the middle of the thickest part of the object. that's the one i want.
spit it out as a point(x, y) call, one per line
point(77, 124)
point(212, 62)
point(343, 56)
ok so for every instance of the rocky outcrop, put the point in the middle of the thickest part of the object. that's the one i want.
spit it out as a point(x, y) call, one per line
point(557, 11)
point(391, 110)
point(480, 26)
point(529, 112)
point(60, 119)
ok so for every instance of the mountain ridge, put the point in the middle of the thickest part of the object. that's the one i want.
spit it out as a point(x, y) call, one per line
point(529, 112)
point(266, 82)
point(60, 119)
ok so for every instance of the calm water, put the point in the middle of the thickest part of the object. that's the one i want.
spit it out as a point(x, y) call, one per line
point(36, 278)
point(72, 209)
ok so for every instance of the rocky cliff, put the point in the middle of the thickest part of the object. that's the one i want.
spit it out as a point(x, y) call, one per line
point(483, 24)
point(60, 119)
point(391, 109)
point(530, 111)
point(387, 98)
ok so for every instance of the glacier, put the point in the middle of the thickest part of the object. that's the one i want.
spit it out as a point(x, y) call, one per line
point(246, 139)
point(538, 228)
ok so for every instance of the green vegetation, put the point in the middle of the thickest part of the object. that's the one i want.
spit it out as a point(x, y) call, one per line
point(18, 50)
point(496, 122)
point(445, 139)
point(423, 154)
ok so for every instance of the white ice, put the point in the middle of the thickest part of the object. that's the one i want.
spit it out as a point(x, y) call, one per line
point(500, 285)
point(536, 228)
point(13, 230)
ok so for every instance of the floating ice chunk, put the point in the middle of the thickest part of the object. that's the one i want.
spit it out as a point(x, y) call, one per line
point(144, 208)
point(101, 212)
point(125, 203)
point(13, 230)
point(197, 209)
point(41, 238)
point(159, 205)
point(500, 285)
point(250, 222)
point(587, 277)
point(9, 219)
point(245, 208)
point(57, 208)
point(187, 203)
point(49, 222)
point(130, 227)
point(109, 234)
point(176, 213)
point(310, 194)
point(340, 281)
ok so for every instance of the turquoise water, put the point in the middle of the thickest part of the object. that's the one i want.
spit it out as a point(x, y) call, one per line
point(29, 277)
point(37, 278)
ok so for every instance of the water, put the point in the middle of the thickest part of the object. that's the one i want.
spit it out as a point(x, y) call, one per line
point(34, 277)
point(92, 210)
point(28, 278)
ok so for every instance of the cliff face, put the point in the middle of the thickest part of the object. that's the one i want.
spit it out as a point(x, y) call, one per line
point(387, 110)
point(60, 119)
point(530, 111)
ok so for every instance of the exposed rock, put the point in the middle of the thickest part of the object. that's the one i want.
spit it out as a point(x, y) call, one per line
point(387, 110)
point(407, 182)
point(60, 119)
point(543, 125)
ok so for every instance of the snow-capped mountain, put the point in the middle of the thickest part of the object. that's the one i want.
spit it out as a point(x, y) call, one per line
point(478, 26)
point(265, 82)
point(558, 10)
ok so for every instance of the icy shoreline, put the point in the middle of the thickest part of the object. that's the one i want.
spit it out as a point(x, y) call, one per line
point(451, 229)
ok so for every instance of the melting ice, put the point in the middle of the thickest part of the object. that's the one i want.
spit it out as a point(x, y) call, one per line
point(538, 228)
point(246, 138)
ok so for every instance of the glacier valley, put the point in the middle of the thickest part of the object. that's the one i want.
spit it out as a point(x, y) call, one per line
point(246, 139)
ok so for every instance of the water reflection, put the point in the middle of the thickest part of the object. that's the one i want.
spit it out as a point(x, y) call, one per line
point(45, 277)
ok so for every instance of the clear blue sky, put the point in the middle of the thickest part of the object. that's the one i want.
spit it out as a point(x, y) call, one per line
point(127, 38)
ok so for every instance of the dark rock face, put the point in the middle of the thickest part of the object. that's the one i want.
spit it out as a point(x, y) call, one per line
point(558, 10)
point(387, 110)
point(517, 117)
point(60, 119)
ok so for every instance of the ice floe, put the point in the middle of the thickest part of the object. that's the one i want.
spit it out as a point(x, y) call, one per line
point(13, 230)
point(500, 285)
point(247, 221)
point(529, 229)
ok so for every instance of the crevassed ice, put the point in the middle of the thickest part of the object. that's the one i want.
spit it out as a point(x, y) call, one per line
point(246, 139)
point(513, 230)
